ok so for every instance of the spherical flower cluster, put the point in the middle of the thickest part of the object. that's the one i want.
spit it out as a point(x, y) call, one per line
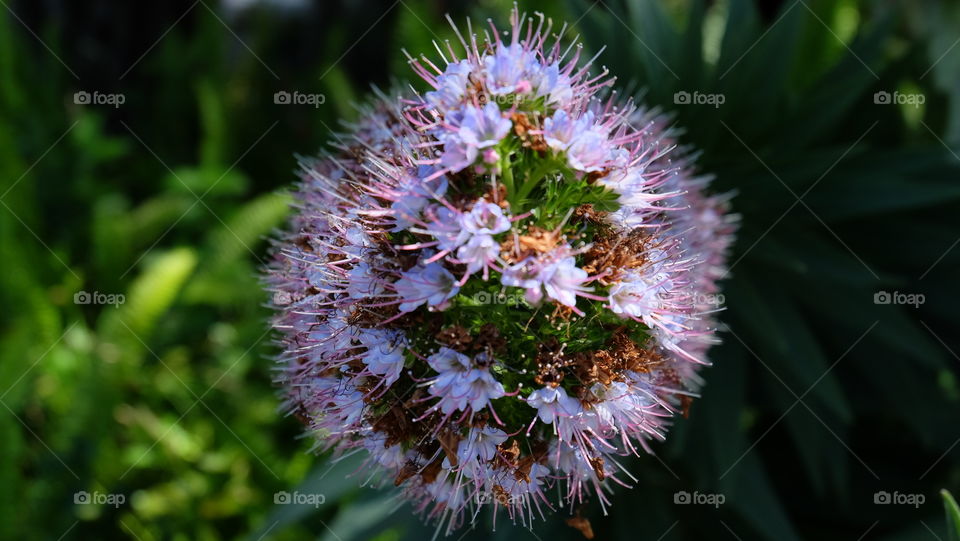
point(500, 286)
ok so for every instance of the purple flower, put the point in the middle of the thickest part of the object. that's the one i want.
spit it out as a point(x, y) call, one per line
point(589, 151)
point(362, 282)
point(480, 444)
point(415, 194)
point(525, 274)
point(482, 128)
point(447, 360)
point(348, 401)
point(446, 228)
point(390, 457)
point(384, 355)
point(451, 85)
point(509, 69)
point(583, 140)
point(479, 225)
point(457, 155)
point(559, 129)
point(460, 383)
point(560, 279)
point(554, 85)
point(468, 130)
point(431, 284)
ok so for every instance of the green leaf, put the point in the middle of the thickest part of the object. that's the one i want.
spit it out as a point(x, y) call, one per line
point(362, 518)
point(953, 514)
point(335, 481)
point(149, 297)
point(824, 105)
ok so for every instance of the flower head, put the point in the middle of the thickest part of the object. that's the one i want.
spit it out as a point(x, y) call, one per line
point(497, 291)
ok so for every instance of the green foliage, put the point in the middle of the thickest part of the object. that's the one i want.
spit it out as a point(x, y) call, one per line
point(826, 181)
point(953, 514)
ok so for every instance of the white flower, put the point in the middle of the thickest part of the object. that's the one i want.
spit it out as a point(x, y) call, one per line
point(478, 252)
point(485, 219)
point(564, 281)
point(553, 402)
point(638, 296)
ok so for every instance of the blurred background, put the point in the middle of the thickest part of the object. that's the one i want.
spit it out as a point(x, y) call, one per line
point(144, 154)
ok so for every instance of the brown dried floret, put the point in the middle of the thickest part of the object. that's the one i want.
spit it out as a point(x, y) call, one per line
point(371, 316)
point(593, 366)
point(597, 464)
point(539, 449)
point(551, 363)
point(616, 253)
point(480, 419)
point(522, 127)
point(634, 356)
point(621, 354)
point(396, 424)
point(685, 402)
point(582, 524)
point(455, 337)
point(449, 441)
point(588, 214)
point(594, 176)
point(498, 196)
point(407, 259)
point(539, 240)
point(432, 471)
point(408, 470)
point(301, 414)
point(507, 454)
point(524, 466)
point(417, 408)
point(466, 181)
point(536, 241)
point(561, 314)
point(489, 339)
point(303, 242)
point(502, 496)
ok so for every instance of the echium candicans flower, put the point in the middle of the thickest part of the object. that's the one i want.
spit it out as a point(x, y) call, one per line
point(500, 286)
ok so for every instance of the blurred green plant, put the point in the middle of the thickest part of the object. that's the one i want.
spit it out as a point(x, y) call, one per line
point(842, 197)
point(953, 515)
